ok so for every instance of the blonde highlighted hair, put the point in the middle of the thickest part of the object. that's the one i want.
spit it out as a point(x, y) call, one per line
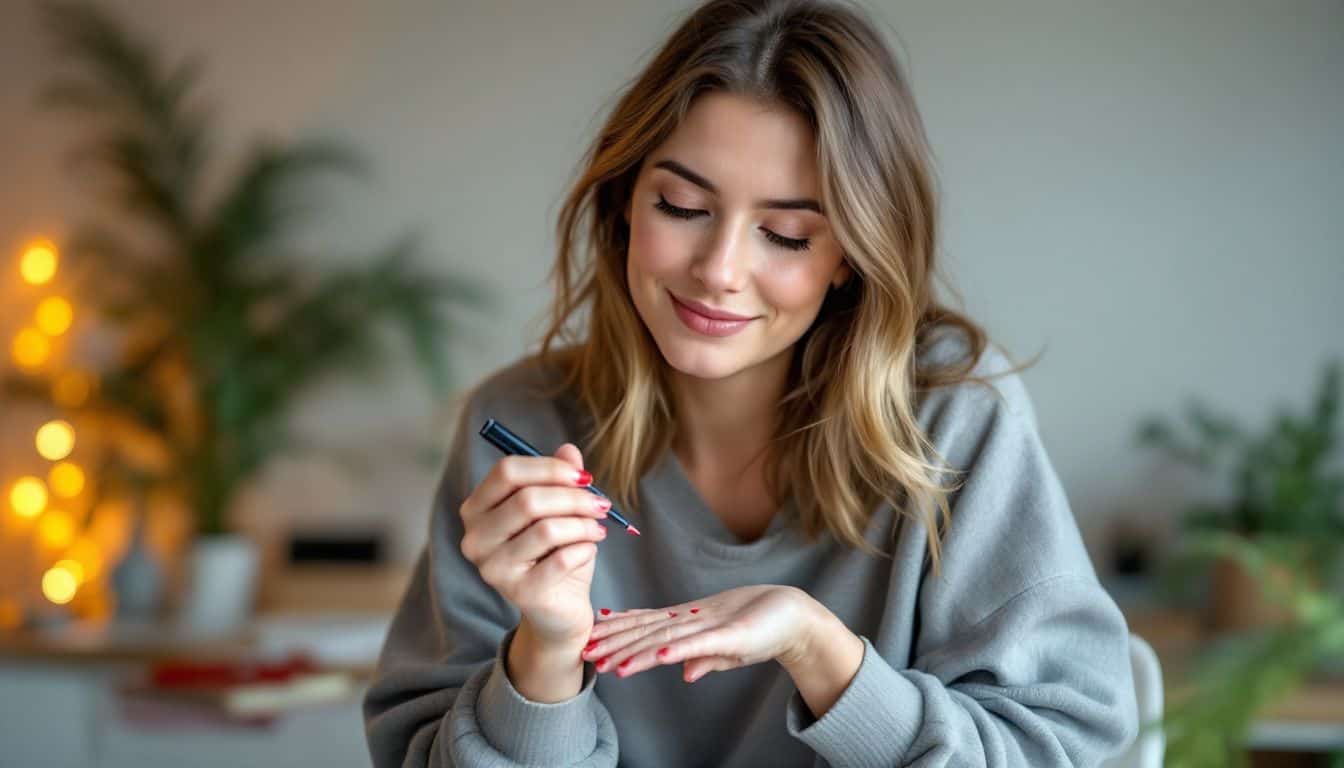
point(847, 437)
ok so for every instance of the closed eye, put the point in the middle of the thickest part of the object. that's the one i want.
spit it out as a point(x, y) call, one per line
point(789, 243)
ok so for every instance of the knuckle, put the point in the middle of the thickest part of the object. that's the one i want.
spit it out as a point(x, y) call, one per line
point(550, 530)
point(530, 501)
point(490, 572)
point(508, 470)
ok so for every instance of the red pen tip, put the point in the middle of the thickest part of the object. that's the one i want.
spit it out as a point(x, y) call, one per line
point(633, 530)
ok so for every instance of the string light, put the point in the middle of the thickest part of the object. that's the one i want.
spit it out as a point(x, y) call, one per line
point(73, 567)
point(66, 479)
point(54, 316)
point(55, 440)
point(38, 264)
point(28, 497)
point(30, 348)
point(56, 529)
point(85, 552)
point(59, 585)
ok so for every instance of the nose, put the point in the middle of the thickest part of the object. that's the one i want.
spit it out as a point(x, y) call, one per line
point(723, 266)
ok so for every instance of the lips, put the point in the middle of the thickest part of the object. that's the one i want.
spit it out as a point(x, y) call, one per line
point(707, 320)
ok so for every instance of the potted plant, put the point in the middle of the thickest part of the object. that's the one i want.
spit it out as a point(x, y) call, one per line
point(218, 326)
point(1274, 545)
point(1210, 714)
point(1286, 491)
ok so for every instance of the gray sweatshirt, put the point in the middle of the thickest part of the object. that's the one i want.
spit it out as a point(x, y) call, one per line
point(1013, 655)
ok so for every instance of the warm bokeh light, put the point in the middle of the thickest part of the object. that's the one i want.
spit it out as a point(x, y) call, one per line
point(11, 613)
point(85, 552)
point(28, 497)
point(55, 440)
point(54, 316)
point(30, 348)
point(56, 529)
point(59, 585)
point(110, 528)
point(38, 264)
point(66, 479)
point(71, 389)
point(74, 567)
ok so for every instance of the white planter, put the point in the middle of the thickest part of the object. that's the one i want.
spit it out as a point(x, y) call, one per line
point(221, 584)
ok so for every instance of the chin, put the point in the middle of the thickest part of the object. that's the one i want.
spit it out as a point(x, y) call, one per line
point(701, 360)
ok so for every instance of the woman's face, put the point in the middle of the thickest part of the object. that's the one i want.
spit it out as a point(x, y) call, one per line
point(718, 219)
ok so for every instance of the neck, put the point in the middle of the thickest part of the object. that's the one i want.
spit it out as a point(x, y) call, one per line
point(724, 425)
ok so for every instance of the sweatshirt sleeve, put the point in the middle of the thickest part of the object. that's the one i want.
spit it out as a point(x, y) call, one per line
point(440, 695)
point(1021, 657)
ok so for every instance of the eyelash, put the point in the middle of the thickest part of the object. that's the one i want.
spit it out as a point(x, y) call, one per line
point(788, 243)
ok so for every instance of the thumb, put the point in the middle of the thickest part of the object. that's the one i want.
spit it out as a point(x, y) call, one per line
point(570, 453)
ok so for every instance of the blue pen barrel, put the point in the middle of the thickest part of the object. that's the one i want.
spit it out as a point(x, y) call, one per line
point(502, 438)
point(510, 444)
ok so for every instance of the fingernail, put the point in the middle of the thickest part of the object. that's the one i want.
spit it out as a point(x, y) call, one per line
point(624, 664)
point(591, 646)
point(695, 610)
point(663, 651)
point(584, 477)
point(601, 504)
point(606, 611)
point(671, 613)
point(602, 665)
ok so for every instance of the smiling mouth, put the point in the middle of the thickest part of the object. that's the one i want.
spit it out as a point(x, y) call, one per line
point(705, 325)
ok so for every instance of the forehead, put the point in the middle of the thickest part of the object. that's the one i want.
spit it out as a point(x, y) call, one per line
point(745, 147)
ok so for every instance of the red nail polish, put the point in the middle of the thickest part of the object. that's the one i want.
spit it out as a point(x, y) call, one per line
point(662, 651)
point(591, 646)
point(624, 664)
point(601, 664)
point(585, 477)
point(695, 610)
point(671, 613)
point(606, 611)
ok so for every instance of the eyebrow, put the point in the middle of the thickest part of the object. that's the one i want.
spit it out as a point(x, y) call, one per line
point(700, 181)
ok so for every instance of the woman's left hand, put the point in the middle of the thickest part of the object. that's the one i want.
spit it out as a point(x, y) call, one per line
point(736, 628)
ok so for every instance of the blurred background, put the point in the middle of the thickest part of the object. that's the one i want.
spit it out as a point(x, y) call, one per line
point(251, 254)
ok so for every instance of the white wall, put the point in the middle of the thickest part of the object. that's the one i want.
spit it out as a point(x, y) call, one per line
point(1151, 191)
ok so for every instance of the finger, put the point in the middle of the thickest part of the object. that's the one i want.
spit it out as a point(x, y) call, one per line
point(570, 454)
point(643, 638)
point(543, 536)
point(529, 506)
point(514, 472)
point(606, 614)
point(558, 565)
point(723, 640)
point(694, 669)
point(626, 620)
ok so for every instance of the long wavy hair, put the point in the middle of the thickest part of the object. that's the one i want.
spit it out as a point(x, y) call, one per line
point(847, 436)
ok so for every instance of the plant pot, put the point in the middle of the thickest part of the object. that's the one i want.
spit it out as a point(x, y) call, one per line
point(221, 584)
point(1238, 602)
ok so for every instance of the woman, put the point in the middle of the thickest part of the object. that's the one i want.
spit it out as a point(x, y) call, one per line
point(854, 548)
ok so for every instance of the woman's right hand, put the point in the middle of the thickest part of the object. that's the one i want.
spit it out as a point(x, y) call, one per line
point(532, 531)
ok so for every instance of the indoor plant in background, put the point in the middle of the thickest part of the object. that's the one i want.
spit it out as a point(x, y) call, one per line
point(219, 327)
point(1286, 491)
point(1275, 544)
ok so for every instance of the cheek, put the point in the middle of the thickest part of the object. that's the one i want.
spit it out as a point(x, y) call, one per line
point(657, 249)
point(794, 289)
